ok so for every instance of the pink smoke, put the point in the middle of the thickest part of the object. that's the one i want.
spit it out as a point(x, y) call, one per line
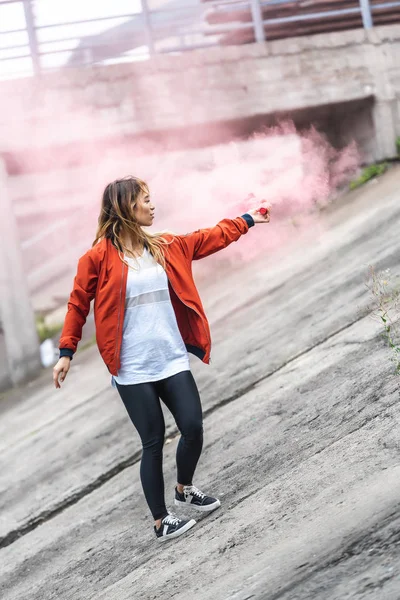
point(297, 173)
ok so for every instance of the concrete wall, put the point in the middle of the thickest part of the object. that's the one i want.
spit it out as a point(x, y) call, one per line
point(213, 86)
point(18, 337)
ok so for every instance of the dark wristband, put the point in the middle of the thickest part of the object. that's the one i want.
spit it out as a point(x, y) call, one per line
point(66, 352)
point(249, 219)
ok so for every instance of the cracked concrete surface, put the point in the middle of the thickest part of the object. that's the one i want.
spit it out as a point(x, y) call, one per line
point(301, 444)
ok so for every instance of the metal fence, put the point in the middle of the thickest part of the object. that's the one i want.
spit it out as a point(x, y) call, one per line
point(41, 35)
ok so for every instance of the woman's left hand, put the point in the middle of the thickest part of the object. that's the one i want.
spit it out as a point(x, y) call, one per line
point(258, 217)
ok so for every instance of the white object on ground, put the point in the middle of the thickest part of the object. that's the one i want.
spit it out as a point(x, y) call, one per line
point(47, 353)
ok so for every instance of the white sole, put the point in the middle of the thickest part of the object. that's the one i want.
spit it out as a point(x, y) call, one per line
point(207, 508)
point(180, 531)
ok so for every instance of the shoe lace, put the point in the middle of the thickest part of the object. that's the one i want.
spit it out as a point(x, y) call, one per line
point(196, 492)
point(171, 519)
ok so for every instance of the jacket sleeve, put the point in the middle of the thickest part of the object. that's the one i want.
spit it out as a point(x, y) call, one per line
point(83, 292)
point(204, 242)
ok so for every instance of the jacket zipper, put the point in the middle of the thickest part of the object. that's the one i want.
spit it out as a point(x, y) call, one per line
point(194, 310)
point(119, 313)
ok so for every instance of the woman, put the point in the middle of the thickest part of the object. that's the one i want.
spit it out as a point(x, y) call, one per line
point(148, 316)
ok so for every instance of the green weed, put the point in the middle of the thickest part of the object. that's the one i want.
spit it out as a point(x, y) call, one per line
point(45, 331)
point(369, 173)
point(385, 290)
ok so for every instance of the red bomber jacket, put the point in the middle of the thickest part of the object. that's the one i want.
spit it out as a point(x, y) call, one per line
point(102, 276)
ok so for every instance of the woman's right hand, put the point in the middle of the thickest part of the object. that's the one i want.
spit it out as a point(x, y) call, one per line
point(60, 370)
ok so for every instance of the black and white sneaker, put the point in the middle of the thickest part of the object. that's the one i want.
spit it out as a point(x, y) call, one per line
point(171, 526)
point(195, 498)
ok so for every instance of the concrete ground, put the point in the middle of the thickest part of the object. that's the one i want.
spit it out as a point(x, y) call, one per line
point(301, 444)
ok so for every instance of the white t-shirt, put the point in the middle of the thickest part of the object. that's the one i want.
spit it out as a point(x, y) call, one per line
point(152, 346)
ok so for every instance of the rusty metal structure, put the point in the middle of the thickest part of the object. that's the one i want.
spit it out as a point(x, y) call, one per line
point(246, 22)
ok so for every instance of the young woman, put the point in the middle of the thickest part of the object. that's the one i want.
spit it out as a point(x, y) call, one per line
point(148, 316)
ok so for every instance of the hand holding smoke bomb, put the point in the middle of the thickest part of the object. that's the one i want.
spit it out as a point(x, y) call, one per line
point(262, 213)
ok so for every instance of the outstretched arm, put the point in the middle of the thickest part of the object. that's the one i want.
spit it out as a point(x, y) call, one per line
point(204, 242)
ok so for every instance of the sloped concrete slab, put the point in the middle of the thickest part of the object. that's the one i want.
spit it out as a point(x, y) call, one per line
point(301, 426)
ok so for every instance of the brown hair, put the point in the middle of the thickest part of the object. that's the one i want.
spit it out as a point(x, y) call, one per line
point(117, 217)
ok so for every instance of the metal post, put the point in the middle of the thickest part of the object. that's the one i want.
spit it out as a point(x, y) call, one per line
point(17, 317)
point(366, 14)
point(33, 43)
point(147, 24)
point(256, 14)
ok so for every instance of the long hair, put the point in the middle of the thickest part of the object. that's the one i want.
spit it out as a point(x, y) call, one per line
point(117, 218)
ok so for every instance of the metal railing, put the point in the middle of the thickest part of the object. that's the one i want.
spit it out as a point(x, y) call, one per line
point(123, 36)
point(38, 44)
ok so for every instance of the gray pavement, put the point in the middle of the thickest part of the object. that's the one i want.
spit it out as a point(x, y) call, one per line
point(301, 444)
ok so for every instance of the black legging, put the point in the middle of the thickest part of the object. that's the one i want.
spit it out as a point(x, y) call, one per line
point(142, 401)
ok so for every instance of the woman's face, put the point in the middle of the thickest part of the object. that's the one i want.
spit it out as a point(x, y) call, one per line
point(144, 210)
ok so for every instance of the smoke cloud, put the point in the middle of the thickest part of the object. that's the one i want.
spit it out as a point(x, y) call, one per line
point(194, 182)
point(296, 172)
